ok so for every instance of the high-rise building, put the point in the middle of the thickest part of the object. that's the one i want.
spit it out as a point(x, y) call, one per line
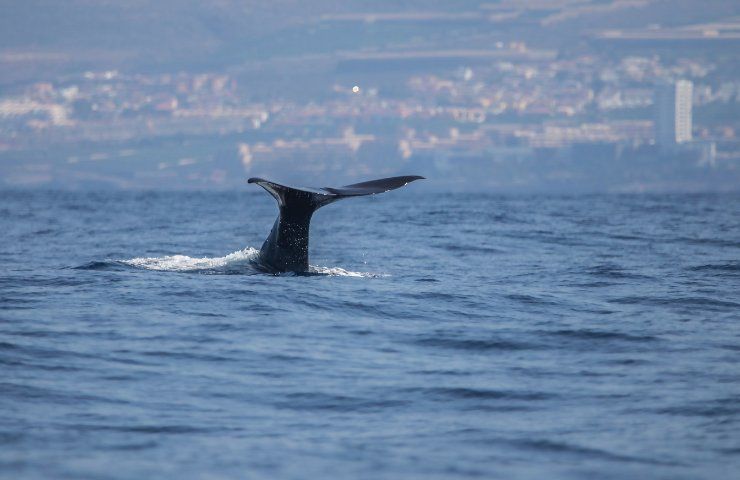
point(673, 113)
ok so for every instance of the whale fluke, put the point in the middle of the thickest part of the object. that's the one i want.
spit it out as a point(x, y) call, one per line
point(286, 248)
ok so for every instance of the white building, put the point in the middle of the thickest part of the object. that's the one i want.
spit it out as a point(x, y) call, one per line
point(673, 113)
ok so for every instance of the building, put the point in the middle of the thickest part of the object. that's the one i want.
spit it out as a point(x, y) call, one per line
point(673, 113)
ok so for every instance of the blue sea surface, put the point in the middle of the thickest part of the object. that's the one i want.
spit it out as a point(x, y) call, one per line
point(436, 336)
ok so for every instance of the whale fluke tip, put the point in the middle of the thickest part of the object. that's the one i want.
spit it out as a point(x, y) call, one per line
point(286, 248)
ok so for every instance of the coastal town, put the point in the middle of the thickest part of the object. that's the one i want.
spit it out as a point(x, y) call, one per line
point(508, 116)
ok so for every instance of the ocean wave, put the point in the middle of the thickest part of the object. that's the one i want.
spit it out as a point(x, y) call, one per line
point(697, 302)
point(609, 270)
point(727, 268)
point(543, 445)
point(471, 344)
point(336, 402)
point(587, 334)
point(469, 393)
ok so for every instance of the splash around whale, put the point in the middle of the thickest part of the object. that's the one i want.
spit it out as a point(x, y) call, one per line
point(285, 251)
point(241, 262)
point(286, 247)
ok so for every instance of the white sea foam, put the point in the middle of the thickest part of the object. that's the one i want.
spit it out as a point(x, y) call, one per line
point(183, 263)
point(340, 272)
point(243, 259)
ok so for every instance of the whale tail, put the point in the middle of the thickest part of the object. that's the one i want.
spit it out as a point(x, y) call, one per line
point(286, 248)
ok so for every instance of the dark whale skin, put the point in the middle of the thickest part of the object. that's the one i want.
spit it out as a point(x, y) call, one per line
point(286, 248)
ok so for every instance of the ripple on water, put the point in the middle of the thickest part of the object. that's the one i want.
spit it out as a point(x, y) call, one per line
point(725, 269)
point(603, 335)
point(678, 301)
point(470, 393)
point(338, 403)
point(30, 393)
point(473, 344)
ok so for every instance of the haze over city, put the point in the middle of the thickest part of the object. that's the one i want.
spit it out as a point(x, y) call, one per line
point(535, 96)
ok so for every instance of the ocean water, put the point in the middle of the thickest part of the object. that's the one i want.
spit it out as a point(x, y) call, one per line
point(436, 336)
